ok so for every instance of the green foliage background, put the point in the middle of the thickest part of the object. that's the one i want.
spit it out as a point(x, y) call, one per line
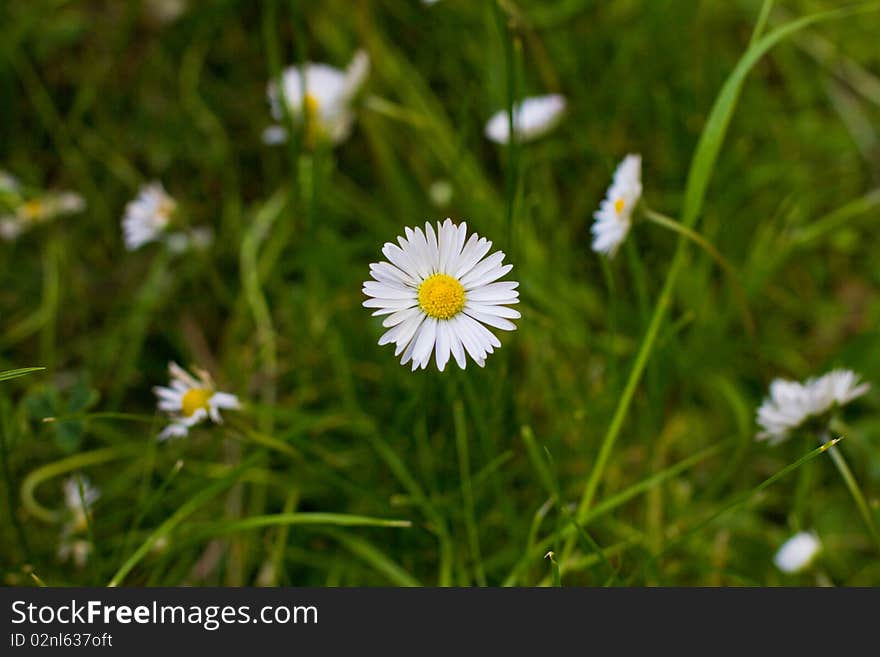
point(100, 97)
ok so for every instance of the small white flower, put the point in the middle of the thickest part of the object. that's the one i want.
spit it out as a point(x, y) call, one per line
point(797, 552)
point(147, 216)
point(791, 403)
point(614, 217)
point(199, 239)
point(40, 210)
point(274, 135)
point(166, 11)
point(326, 107)
point(532, 118)
point(8, 182)
point(79, 505)
point(78, 548)
point(439, 291)
point(189, 400)
point(440, 192)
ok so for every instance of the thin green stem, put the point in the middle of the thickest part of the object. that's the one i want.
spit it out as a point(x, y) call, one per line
point(184, 511)
point(75, 462)
point(856, 492)
point(250, 277)
point(761, 22)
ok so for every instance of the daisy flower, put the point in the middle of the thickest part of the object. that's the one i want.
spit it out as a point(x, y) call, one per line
point(8, 182)
point(532, 118)
point(439, 291)
point(326, 106)
point(797, 552)
point(147, 216)
point(36, 211)
point(199, 239)
point(79, 505)
point(614, 216)
point(790, 403)
point(77, 548)
point(191, 399)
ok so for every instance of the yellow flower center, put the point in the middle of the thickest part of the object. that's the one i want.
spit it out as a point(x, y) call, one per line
point(441, 296)
point(166, 208)
point(619, 204)
point(312, 106)
point(194, 399)
point(31, 209)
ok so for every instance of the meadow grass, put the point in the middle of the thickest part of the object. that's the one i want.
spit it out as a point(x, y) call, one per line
point(610, 441)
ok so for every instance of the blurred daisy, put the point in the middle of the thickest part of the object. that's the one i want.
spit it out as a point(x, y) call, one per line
point(199, 239)
point(790, 403)
point(532, 118)
point(613, 219)
point(189, 400)
point(33, 212)
point(8, 182)
point(77, 548)
point(798, 552)
point(165, 11)
point(79, 497)
point(147, 216)
point(439, 291)
point(326, 108)
point(440, 192)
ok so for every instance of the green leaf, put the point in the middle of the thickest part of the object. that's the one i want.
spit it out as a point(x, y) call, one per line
point(23, 371)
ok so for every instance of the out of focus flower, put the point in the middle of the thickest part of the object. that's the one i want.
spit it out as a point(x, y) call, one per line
point(532, 118)
point(8, 182)
point(190, 399)
point(798, 552)
point(79, 496)
point(614, 217)
point(28, 213)
point(319, 97)
point(164, 12)
point(791, 403)
point(77, 548)
point(439, 292)
point(198, 239)
point(440, 192)
point(147, 216)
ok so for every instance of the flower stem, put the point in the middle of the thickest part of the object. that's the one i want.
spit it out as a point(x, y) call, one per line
point(855, 491)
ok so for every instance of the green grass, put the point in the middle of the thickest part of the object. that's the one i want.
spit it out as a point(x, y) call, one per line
point(614, 428)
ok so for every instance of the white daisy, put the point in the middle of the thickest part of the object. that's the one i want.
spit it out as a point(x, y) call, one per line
point(791, 403)
point(797, 552)
point(79, 503)
point(40, 210)
point(189, 400)
point(532, 118)
point(326, 106)
point(614, 216)
point(199, 239)
point(78, 548)
point(147, 216)
point(439, 291)
point(440, 192)
point(8, 182)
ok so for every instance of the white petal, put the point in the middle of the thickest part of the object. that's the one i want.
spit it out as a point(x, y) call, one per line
point(443, 346)
point(491, 320)
point(487, 265)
